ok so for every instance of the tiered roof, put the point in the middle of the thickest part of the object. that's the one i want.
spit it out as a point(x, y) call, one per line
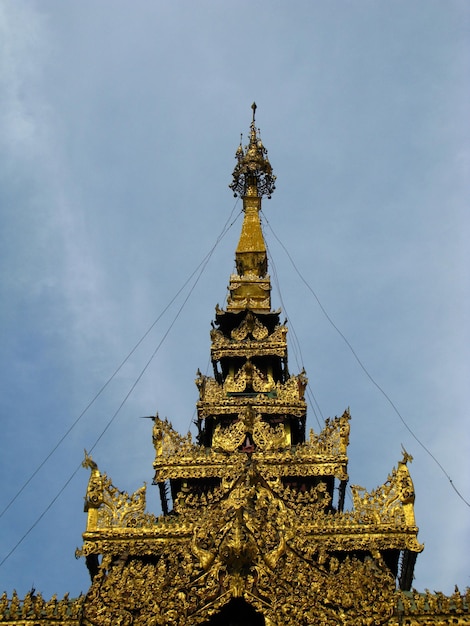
point(253, 529)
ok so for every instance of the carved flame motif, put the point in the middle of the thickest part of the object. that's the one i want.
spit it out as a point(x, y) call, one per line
point(250, 327)
point(265, 437)
point(248, 377)
point(394, 499)
point(229, 438)
point(108, 507)
point(167, 441)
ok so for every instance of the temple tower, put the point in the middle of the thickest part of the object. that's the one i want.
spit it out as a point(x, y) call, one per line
point(253, 529)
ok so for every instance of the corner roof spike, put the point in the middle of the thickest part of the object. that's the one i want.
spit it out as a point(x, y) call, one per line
point(253, 174)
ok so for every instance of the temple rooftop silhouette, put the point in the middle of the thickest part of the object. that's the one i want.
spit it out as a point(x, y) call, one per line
point(254, 529)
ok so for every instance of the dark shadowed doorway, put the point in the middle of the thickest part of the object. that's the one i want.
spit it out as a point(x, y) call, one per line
point(237, 612)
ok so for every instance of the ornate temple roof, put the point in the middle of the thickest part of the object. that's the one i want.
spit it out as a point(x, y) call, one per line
point(253, 528)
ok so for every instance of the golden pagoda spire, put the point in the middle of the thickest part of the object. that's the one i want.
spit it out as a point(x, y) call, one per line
point(253, 178)
point(253, 529)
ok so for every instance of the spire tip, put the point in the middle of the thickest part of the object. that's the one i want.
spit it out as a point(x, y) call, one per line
point(253, 168)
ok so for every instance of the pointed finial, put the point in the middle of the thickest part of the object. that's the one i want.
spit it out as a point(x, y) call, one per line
point(253, 169)
point(407, 458)
point(254, 107)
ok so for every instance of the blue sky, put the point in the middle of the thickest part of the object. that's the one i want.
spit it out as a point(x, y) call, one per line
point(118, 126)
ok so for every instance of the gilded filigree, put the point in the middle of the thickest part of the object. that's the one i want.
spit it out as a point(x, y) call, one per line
point(240, 548)
point(431, 608)
point(323, 454)
point(393, 500)
point(333, 440)
point(252, 538)
point(253, 167)
point(267, 437)
point(34, 609)
point(250, 379)
point(250, 327)
point(94, 495)
point(244, 533)
point(271, 345)
point(251, 302)
point(229, 438)
point(166, 440)
point(310, 595)
point(264, 437)
point(107, 506)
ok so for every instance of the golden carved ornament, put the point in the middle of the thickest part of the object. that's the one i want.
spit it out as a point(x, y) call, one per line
point(409, 607)
point(274, 344)
point(250, 539)
point(249, 376)
point(253, 167)
point(292, 391)
point(322, 454)
point(167, 441)
point(395, 498)
point(229, 438)
point(33, 609)
point(333, 440)
point(414, 608)
point(265, 437)
point(251, 327)
point(251, 302)
point(109, 507)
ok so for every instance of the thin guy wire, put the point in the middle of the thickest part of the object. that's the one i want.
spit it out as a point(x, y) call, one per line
point(295, 341)
point(97, 395)
point(204, 264)
point(20, 541)
point(296, 344)
point(100, 391)
point(415, 437)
